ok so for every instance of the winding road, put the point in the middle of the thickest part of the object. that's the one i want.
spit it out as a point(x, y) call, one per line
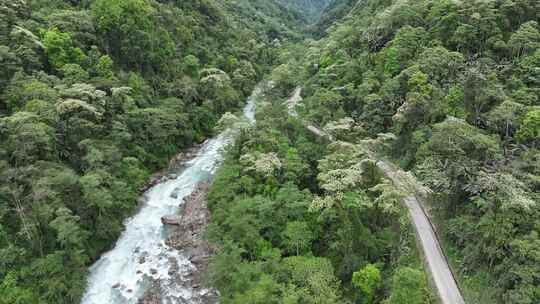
point(416, 194)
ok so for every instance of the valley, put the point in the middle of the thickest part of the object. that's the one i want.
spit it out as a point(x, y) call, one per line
point(269, 151)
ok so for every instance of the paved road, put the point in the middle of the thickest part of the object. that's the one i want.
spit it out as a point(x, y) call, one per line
point(437, 263)
point(440, 272)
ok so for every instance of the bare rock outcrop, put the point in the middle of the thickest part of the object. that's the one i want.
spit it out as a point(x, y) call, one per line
point(186, 234)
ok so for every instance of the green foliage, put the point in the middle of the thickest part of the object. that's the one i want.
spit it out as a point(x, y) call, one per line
point(455, 139)
point(407, 44)
point(68, 231)
point(10, 63)
point(95, 95)
point(526, 39)
point(60, 49)
point(310, 9)
point(297, 237)
point(506, 118)
point(454, 104)
point(408, 287)
point(530, 128)
point(454, 84)
point(289, 245)
point(12, 293)
point(110, 90)
point(104, 67)
point(191, 66)
point(368, 280)
point(127, 28)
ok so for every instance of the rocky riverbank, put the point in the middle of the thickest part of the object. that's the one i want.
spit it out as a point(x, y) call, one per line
point(176, 164)
point(186, 234)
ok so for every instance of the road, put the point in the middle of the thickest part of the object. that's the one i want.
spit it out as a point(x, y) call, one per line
point(415, 198)
point(437, 263)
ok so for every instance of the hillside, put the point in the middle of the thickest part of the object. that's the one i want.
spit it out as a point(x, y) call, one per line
point(95, 96)
point(332, 13)
point(310, 9)
point(450, 91)
point(382, 140)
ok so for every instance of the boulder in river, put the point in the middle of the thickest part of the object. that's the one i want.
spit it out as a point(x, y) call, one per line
point(171, 220)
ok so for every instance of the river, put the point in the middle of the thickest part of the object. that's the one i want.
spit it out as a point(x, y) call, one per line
point(140, 256)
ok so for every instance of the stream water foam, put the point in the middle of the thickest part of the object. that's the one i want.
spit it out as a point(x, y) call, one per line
point(140, 256)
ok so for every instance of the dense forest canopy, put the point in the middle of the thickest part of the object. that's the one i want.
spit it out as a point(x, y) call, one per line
point(310, 9)
point(455, 84)
point(95, 95)
point(300, 221)
point(332, 14)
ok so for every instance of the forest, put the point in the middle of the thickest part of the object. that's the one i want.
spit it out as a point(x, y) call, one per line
point(452, 90)
point(96, 95)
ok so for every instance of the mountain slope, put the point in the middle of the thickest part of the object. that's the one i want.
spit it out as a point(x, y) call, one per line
point(96, 95)
point(450, 90)
point(332, 13)
point(310, 9)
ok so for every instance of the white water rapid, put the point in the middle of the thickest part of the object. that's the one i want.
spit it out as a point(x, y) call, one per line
point(122, 275)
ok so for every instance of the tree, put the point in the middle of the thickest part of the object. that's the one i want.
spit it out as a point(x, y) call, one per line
point(69, 233)
point(78, 120)
point(244, 77)
point(104, 67)
point(27, 139)
point(522, 267)
point(74, 73)
point(133, 172)
point(13, 292)
point(60, 49)
point(529, 70)
point(505, 118)
point(530, 128)
point(453, 150)
point(23, 89)
point(298, 236)
point(28, 48)
point(408, 287)
point(325, 105)
point(158, 130)
point(444, 15)
point(78, 23)
point(441, 65)
point(10, 63)
point(478, 23)
point(463, 139)
point(454, 103)
point(418, 107)
point(407, 44)
point(316, 276)
point(481, 91)
point(283, 77)
point(368, 280)
point(217, 90)
point(345, 129)
point(191, 66)
point(53, 283)
point(526, 39)
point(266, 290)
point(131, 36)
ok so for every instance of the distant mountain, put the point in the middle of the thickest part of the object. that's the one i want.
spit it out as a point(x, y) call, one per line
point(310, 9)
point(333, 11)
point(269, 18)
